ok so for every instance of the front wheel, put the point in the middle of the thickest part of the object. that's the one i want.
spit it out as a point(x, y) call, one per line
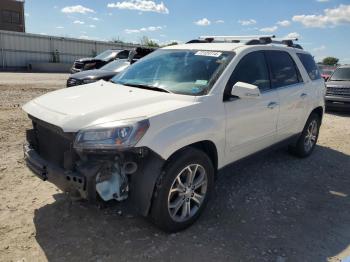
point(185, 187)
point(308, 138)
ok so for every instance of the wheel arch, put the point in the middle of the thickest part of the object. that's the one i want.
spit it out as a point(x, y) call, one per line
point(153, 179)
point(206, 146)
point(318, 111)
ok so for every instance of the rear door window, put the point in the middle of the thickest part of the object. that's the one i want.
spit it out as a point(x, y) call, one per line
point(310, 66)
point(283, 69)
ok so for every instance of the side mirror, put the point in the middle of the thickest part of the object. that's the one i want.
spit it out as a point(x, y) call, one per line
point(244, 90)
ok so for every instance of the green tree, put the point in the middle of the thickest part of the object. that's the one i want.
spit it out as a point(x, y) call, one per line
point(330, 61)
point(145, 41)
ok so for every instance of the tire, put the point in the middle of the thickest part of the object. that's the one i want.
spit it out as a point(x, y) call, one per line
point(170, 211)
point(308, 138)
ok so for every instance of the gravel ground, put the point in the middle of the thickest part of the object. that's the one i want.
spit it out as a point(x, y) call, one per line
point(271, 208)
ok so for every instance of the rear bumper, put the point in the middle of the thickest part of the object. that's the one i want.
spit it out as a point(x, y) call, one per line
point(337, 102)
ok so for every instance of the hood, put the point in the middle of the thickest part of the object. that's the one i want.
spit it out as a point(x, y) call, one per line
point(93, 74)
point(345, 84)
point(76, 108)
point(87, 59)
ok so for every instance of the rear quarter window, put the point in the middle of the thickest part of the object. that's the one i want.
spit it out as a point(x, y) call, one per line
point(310, 66)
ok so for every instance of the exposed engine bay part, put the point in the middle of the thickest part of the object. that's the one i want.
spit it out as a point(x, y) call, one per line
point(112, 181)
point(112, 185)
point(130, 167)
point(128, 176)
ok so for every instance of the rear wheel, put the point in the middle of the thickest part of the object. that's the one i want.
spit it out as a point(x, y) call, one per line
point(308, 138)
point(184, 191)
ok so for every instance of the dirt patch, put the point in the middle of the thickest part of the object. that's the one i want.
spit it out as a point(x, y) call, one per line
point(271, 208)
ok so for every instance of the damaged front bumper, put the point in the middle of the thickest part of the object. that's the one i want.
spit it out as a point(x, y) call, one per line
point(66, 180)
point(83, 182)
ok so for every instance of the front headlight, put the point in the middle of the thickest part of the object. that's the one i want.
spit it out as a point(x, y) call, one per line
point(88, 81)
point(116, 135)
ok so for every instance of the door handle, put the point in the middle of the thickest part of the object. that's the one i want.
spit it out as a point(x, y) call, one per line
point(272, 105)
point(303, 95)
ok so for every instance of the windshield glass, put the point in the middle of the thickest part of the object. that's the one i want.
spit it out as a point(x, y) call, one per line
point(188, 72)
point(341, 74)
point(116, 65)
point(107, 55)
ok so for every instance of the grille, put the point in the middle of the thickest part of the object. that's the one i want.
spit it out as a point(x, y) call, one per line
point(52, 142)
point(78, 65)
point(73, 82)
point(338, 91)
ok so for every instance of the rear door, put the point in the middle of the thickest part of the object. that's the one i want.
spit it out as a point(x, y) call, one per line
point(315, 86)
point(250, 122)
point(287, 80)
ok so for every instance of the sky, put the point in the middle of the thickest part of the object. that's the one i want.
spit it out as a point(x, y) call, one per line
point(322, 26)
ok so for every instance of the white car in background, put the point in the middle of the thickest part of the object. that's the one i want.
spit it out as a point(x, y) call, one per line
point(156, 136)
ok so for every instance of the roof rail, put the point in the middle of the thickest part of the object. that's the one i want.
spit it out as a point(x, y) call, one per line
point(248, 40)
point(234, 39)
point(288, 42)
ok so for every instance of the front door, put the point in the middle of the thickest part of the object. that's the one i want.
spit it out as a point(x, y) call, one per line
point(250, 122)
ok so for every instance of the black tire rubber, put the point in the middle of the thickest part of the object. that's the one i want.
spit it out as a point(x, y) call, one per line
point(159, 211)
point(298, 149)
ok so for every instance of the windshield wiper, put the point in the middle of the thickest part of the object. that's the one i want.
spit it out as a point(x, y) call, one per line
point(154, 88)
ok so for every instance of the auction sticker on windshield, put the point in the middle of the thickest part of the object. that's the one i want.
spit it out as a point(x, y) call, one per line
point(201, 82)
point(208, 53)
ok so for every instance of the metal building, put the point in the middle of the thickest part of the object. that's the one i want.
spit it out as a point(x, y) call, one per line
point(12, 16)
point(18, 50)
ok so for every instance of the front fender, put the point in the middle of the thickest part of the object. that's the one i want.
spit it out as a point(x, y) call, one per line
point(165, 141)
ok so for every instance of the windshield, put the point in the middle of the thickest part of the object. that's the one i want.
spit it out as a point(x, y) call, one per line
point(341, 74)
point(107, 55)
point(188, 72)
point(116, 65)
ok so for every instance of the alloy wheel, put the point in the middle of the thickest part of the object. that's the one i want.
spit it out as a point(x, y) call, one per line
point(311, 135)
point(187, 192)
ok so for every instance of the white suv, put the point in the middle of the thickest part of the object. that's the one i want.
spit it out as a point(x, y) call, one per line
point(156, 136)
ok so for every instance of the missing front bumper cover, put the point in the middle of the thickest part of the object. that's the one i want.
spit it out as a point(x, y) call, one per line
point(82, 181)
point(65, 180)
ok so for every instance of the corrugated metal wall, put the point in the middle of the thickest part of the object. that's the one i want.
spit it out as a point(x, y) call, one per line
point(20, 49)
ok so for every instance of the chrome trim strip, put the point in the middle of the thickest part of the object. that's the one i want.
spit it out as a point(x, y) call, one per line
point(283, 87)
